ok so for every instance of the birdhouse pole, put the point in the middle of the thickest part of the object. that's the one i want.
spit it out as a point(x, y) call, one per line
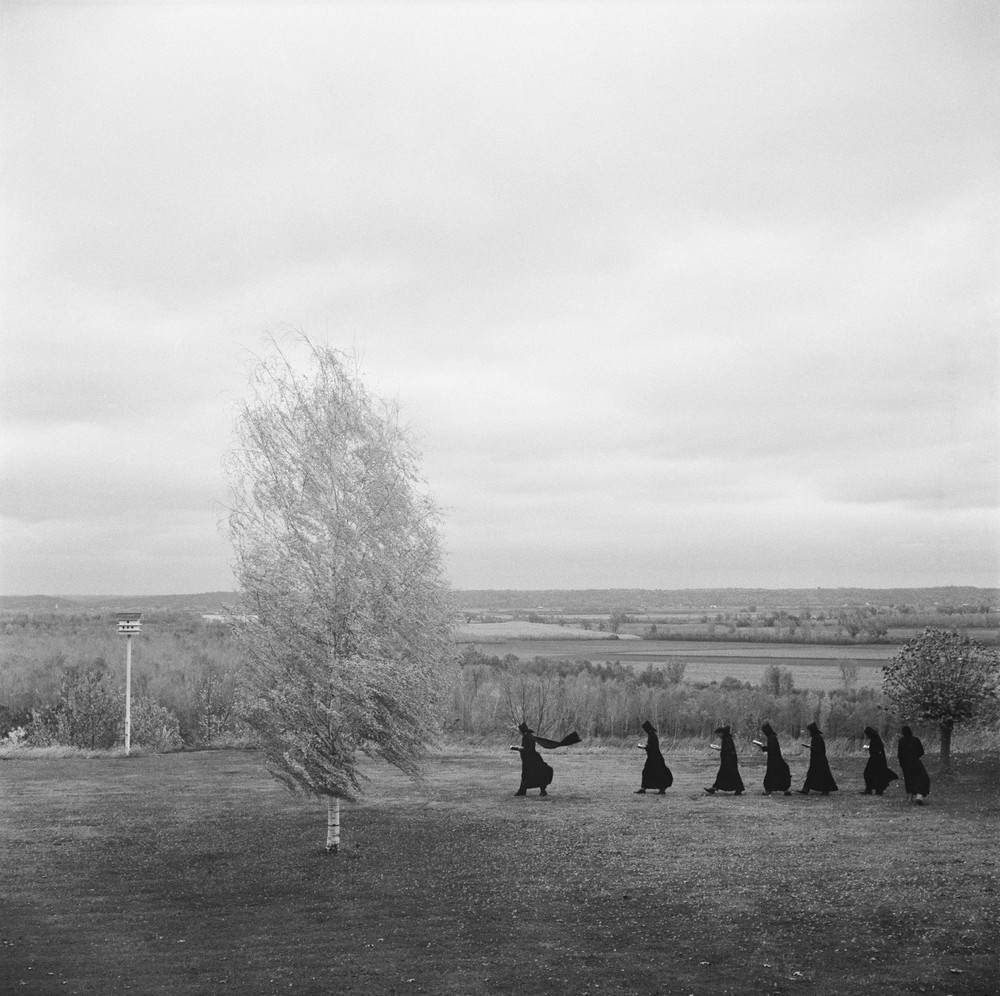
point(128, 625)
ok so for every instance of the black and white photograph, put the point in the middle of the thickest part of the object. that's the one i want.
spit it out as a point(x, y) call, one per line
point(410, 408)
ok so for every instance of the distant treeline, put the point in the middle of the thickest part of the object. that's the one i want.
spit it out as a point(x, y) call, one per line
point(208, 602)
point(841, 630)
point(62, 678)
point(492, 694)
point(645, 601)
point(566, 601)
point(856, 625)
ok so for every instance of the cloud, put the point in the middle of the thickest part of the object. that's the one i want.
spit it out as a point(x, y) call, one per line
point(665, 290)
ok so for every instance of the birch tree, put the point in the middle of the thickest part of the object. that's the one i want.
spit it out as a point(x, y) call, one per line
point(343, 623)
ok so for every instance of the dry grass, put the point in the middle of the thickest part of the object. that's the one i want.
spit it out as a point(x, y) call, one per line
point(195, 874)
point(60, 752)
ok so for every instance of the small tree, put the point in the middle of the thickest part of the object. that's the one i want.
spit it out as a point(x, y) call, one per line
point(944, 678)
point(616, 620)
point(778, 680)
point(849, 672)
point(343, 625)
point(91, 710)
point(213, 695)
point(675, 671)
point(532, 699)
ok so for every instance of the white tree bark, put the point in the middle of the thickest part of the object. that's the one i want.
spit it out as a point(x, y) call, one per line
point(332, 824)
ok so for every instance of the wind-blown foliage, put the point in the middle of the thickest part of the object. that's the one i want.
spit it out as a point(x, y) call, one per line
point(942, 677)
point(343, 624)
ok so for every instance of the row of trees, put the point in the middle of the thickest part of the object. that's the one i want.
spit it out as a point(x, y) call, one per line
point(939, 678)
point(844, 626)
point(489, 694)
point(493, 694)
point(753, 633)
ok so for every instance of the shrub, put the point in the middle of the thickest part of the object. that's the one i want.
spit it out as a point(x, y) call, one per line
point(153, 726)
point(91, 714)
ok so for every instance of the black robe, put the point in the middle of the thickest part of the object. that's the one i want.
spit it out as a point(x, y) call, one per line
point(915, 777)
point(819, 777)
point(878, 774)
point(655, 773)
point(535, 773)
point(728, 779)
point(777, 777)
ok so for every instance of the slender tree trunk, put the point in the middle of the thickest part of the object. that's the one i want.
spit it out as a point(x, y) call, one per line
point(332, 824)
point(945, 731)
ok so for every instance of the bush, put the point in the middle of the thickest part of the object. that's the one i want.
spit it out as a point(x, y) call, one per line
point(90, 714)
point(153, 726)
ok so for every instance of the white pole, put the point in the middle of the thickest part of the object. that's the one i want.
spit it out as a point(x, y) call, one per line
point(128, 694)
point(332, 824)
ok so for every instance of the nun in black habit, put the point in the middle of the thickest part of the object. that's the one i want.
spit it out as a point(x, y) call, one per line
point(777, 777)
point(728, 779)
point(819, 777)
point(535, 773)
point(878, 775)
point(655, 773)
point(916, 781)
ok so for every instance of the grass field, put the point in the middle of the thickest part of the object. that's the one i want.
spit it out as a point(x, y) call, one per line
point(197, 874)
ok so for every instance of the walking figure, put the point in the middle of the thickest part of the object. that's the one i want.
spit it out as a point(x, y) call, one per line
point(878, 775)
point(655, 773)
point(819, 777)
point(777, 777)
point(535, 773)
point(916, 781)
point(728, 779)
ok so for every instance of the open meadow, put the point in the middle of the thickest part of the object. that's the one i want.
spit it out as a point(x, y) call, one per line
point(195, 873)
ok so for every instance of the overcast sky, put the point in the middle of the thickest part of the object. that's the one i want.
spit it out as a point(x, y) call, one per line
point(673, 294)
